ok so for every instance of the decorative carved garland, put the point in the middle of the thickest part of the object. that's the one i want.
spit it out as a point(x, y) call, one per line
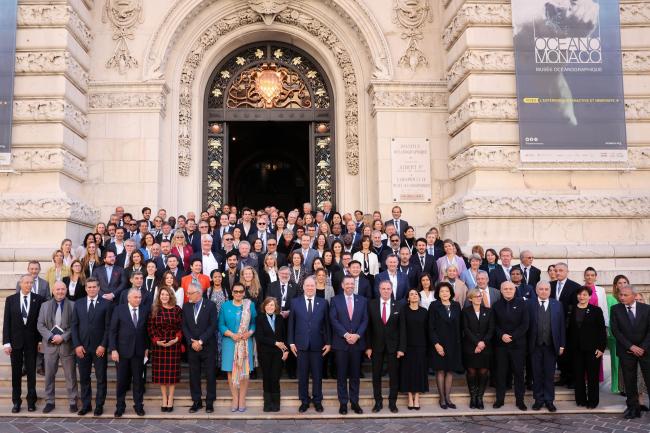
point(248, 16)
point(123, 16)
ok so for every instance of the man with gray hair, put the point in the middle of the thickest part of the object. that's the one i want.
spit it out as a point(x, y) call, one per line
point(531, 274)
point(245, 256)
point(210, 259)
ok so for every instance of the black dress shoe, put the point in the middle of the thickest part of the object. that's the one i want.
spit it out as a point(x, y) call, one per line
point(15, 409)
point(522, 406)
point(84, 410)
point(99, 410)
point(643, 408)
point(318, 407)
point(118, 413)
point(450, 405)
point(48, 408)
point(196, 406)
point(550, 406)
point(209, 407)
point(303, 408)
point(442, 404)
point(393, 407)
point(74, 408)
point(497, 404)
point(377, 407)
point(343, 409)
point(356, 408)
point(537, 405)
point(139, 411)
point(31, 407)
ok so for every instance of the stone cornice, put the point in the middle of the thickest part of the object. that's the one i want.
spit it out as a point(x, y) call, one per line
point(17, 206)
point(606, 205)
point(57, 15)
point(129, 97)
point(408, 96)
point(51, 110)
point(49, 159)
point(52, 62)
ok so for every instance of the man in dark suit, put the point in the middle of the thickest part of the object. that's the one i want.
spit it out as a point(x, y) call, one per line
point(382, 340)
point(399, 282)
point(424, 262)
point(630, 325)
point(137, 282)
point(546, 341)
point(327, 212)
point(166, 234)
point(90, 326)
point(192, 235)
point(530, 273)
point(349, 320)
point(211, 259)
point(128, 343)
point(406, 267)
point(110, 277)
point(272, 249)
point(361, 283)
point(118, 247)
point(523, 290)
point(502, 271)
point(511, 325)
point(262, 232)
point(307, 252)
point(246, 225)
point(199, 327)
point(39, 286)
point(355, 239)
point(20, 338)
point(397, 221)
point(224, 227)
point(309, 338)
point(564, 290)
point(489, 295)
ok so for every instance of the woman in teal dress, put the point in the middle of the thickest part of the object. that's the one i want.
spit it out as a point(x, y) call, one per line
point(612, 299)
point(237, 326)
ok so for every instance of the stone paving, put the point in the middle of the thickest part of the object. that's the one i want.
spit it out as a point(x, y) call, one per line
point(471, 424)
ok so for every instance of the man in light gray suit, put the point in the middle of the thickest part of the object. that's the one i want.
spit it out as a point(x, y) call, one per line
point(39, 286)
point(490, 294)
point(55, 326)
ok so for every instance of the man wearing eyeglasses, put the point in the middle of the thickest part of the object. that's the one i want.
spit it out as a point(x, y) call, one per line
point(263, 233)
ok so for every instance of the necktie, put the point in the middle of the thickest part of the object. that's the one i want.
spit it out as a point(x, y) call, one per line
point(543, 305)
point(422, 261)
point(134, 317)
point(630, 314)
point(149, 284)
point(349, 300)
point(164, 257)
point(196, 309)
point(91, 309)
point(272, 321)
point(23, 310)
point(283, 292)
point(57, 315)
point(525, 275)
point(309, 308)
point(34, 289)
point(383, 314)
point(507, 273)
point(486, 299)
point(559, 290)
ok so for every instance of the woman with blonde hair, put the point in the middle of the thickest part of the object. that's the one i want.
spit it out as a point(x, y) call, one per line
point(76, 281)
point(181, 250)
point(253, 288)
point(269, 272)
point(460, 288)
point(91, 260)
point(68, 255)
point(58, 270)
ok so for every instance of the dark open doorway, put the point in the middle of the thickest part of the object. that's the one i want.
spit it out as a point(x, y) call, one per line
point(268, 164)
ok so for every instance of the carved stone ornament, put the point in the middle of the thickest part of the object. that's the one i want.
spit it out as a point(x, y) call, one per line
point(49, 159)
point(268, 9)
point(57, 15)
point(27, 206)
point(123, 15)
point(398, 96)
point(411, 16)
point(51, 110)
point(288, 16)
point(51, 62)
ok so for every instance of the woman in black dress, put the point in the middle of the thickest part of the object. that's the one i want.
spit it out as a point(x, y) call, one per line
point(413, 344)
point(587, 336)
point(478, 330)
point(444, 333)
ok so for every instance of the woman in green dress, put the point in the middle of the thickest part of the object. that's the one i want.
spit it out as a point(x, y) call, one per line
point(612, 299)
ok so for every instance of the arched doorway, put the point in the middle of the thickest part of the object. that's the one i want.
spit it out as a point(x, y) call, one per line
point(269, 124)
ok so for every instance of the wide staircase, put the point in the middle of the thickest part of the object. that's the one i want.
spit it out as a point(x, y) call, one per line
point(289, 408)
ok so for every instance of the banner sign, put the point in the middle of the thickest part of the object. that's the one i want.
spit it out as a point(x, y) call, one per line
point(569, 80)
point(410, 169)
point(7, 63)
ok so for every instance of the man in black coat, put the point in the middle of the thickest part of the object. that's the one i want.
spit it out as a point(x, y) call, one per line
point(91, 320)
point(20, 338)
point(511, 324)
point(531, 274)
point(110, 277)
point(199, 328)
point(423, 262)
point(630, 325)
point(382, 339)
point(128, 343)
point(361, 284)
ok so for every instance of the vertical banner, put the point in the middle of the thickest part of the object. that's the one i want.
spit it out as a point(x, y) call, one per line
point(8, 10)
point(410, 169)
point(569, 80)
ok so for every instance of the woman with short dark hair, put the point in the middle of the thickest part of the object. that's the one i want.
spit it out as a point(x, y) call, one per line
point(272, 351)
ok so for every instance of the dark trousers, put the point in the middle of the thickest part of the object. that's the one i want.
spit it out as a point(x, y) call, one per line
point(203, 361)
point(565, 365)
point(271, 364)
point(348, 372)
point(85, 367)
point(393, 375)
point(290, 364)
point(310, 362)
point(510, 359)
point(129, 371)
point(585, 374)
point(26, 357)
point(543, 360)
point(629, 367)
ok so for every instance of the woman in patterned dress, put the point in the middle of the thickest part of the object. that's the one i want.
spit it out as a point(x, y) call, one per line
point(165, 330)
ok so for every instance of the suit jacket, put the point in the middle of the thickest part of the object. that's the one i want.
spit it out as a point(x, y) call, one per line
point(558, 328)
point(309, 332)
point(220, 258)
point(43, 288)
point(266, 337)
point(184, 257)
point(534, 275)
point(342, 324)
point(14, 330)
point(411, 273)
point(114, 285)
point(281, 258)
point(568, 297)
point(274, 290)
point(46, 322)
point(79, 291)
point(477, 329)
point(526, 291)
point(251, 230)
point(627, 334)
point(205, 326)
point(511, 317)
point(254, 235)
point(194, 240)
point(592, 334)
point(497, 277)
point(365, 289)
point(380, 337)
point(130, 341)
point(91, 332)
point(402, 284)
point(147, 297)
point(402, 226)
point(430, 266)
point(312, 254)
point(160, 236)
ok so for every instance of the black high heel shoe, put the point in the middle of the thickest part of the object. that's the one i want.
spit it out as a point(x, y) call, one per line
point(443, 404)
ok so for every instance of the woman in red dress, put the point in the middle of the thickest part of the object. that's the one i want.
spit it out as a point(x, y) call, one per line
point(165, 330)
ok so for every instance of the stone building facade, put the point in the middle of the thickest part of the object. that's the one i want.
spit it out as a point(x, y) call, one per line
point(109, 109)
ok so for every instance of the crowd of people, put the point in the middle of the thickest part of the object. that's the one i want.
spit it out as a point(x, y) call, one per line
point(239, 294)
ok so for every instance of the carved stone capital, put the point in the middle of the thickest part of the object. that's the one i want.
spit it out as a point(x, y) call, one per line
point(52, 62)
point(591, 205)
point(504, 109)
point(58, 15)
point(25, 206)
point(51, 110)
point(407, 96)
point(49, 159)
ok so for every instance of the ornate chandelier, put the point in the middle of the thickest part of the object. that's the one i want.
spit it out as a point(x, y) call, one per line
point(268, 84)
